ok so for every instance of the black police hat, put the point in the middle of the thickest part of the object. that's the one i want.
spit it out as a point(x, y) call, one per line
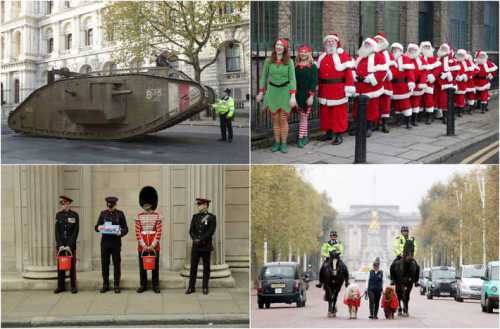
point(111, 199)
point(227, 91)
point(65, 198)
point(202, 200)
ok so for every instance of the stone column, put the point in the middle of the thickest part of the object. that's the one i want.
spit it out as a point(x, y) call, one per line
point(284, 16)
point(208, 182)
point(43, 185)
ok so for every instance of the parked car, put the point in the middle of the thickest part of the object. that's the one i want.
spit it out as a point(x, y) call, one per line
point(424, 278)
point(489, 289)
point(281, 282)
point(442, 282)
point(469, 282)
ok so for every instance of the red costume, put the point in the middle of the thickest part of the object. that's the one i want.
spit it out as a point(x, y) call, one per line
point(388, 60)
point(336, 83)
point(445, 78)
point(432, 66)
point(394, 303)
point(471, 71)
point(148, 229)
point(461, 79)
point(420, 74)
point(486, 72)
point(403, 83)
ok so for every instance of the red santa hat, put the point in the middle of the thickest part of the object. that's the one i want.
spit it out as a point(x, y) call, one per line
point(479, 53)
point(304, 49)
point(397, 45)
point(283, 41)
point(412, 45)
point(425, 44)
point(335, 37)
point(382, 37)
point(462, 52)
point(372, 42)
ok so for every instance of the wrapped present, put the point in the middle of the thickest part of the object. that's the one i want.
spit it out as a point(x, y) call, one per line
point(108, 228)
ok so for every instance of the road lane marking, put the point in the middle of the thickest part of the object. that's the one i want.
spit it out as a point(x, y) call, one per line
point(486, 156)
point(479, 153)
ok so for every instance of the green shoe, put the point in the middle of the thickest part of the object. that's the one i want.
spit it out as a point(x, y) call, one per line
point(305, 141)
point(275, 147)
point(284, 148)
point(300, 143)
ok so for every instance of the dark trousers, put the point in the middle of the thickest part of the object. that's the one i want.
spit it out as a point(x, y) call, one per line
point(113, 252)
point(374, 298)
point(143, 274)
point(195, 259)
point(226, 124)
point(72, 274)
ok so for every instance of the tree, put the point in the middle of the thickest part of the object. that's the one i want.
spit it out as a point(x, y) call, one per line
point(182, 27)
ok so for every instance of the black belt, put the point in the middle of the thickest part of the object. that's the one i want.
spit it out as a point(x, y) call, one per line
point(338, 80)
point(481, 78)
point(279, 85)
point(400, 80)
point(360, 78)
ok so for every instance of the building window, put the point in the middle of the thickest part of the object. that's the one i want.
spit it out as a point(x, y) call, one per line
point(391, 20)
point(88, 37)
point(50, 45)
point(226, 8)
point(368, 24)
point(86, 69)
point(67, 4)
point(264, 24)
point(233, 58)
point(458, 24)
point(16, 91)
point(2, 11)
point(425, 21)
point(67, 41)
point(490, 26)
point(2, 47)
point(16, 8)
point(17, 44)
point(1, 95)
point(306, 27)
point(50, 6)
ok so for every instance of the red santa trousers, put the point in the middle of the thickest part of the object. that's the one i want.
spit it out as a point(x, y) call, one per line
point(385, 106)
point(333, 118)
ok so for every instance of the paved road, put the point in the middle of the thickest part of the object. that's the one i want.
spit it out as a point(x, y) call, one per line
point(485, 152)
point(179, 144)
point(439, 312)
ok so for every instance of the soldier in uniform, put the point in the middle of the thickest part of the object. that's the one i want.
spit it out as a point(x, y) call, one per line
point(201, 231)
point(66, 231)
point(333, 245)
point(398, 246)
point(111, 243)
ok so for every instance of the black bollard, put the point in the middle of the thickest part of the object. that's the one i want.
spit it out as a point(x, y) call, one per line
point(360, 144)
point(50, 76)
point(450, 113)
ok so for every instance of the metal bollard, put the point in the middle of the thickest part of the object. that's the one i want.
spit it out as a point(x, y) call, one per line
point(360, 144)
point(50, 76)
point(450, 113)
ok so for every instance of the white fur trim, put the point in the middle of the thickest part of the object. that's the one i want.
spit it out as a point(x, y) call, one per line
point(416, 109)
point(407, 112)
point(431, 78)
point(470, 90)
point(332, 102)
point(429, 90)
point(418, 93)
point(411, 85)
point(389, 75)
point(402, 96)
point(429, 109)
point(385, 115)
point(388, 92)
point(485, 87)
point(330, 36)
point(434, 65)
point(446, 86)
point(422, 86)
point(350, 90)
point(373, 94)
point(489, 69)
point(320, 58)
point(439, 113)
point(372, 42)
point(460, 92)
point(454, 68)
point(387, 57)
point(419, 63)
point(397, 45)
point(370, 78)
point(340, 51)
point(371, 63)
point(470, 102)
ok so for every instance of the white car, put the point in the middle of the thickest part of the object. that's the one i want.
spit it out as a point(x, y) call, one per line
point(469, 282)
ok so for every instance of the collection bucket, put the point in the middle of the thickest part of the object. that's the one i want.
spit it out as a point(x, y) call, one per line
point(149, 262)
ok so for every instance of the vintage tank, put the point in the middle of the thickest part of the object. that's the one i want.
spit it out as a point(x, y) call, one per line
point(110, 106)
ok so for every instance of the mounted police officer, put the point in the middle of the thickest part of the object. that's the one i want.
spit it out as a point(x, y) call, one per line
point(398, 248)
point(333, 245)
point(66, 232)
point(113, 226)
point(202, 229)
point(225, 108)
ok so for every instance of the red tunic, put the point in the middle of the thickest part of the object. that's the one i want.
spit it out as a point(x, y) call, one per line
point(148, 229)
point(482, 81)
point(394, 302)
point(403, 75)
point(337, 67)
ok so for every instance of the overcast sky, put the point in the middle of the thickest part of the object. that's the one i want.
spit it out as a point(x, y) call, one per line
point(402, 185)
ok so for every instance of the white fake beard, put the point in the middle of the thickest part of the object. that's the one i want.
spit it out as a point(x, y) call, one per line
point(397, 54)
point(442, 53)
point(427, 52)
point(412, 55)
point(481, 61)
point(330, 50)
point(365, 51)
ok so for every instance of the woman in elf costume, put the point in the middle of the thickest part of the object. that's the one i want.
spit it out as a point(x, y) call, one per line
point(306, 74)
point(278, 88)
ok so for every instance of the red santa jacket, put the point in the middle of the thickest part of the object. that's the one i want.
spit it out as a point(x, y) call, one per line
point(373, 70)
point(471, 71)
point(420, 73)
point(402, 77)
point(446, 73)
point(432, 68)
point(389, 61)
point(394, 304)
point(335, 78)
point(148, 229)
point(461, 78)
point(484, 75)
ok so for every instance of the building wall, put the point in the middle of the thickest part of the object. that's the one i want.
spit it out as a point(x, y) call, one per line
point(177, 187)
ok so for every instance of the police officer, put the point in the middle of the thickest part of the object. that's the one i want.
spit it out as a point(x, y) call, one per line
point(225, 108)
point(333, 245)
point(201, 231)
point(111, 243)
point(66, 231)
point(398, 248)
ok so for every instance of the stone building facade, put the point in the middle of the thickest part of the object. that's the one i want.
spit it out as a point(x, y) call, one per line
point(30, 201)
point(368, 231)
point(37, 36)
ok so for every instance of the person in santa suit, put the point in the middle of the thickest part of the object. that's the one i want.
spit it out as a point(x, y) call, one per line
point(445, 79)
point(482, 81)
point(403, 83)
point(370, 73)
point(385, 98)
point(432, 65)
point(461, 80)
point(420, 73)
point(306, 74)
point(336, 84)
point(470, 92)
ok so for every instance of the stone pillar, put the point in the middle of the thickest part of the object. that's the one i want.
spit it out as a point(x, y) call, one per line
point(440, 22)
point(42, 196)
point(476, 27)
point(56, 34)
point(284, 16)
point(77, 34)
point(208, 182)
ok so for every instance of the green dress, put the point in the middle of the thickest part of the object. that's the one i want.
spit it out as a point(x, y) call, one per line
point(278, 74)
point(307, 80)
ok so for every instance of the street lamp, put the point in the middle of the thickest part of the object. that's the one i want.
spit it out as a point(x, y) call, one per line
point(459, 196)
point(482, 194)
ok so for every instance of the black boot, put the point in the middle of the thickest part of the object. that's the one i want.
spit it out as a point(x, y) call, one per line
point(141, 289)
point(353, 129)
point(458, 111)
point(486, 106)
point(105, 287)
point(117, 289)
point(414, 120)
point(483, 108)
point(327, 136)
point(385, 129)
point(469, 109)
point(368, 129)
point(338, 139)
point(428, 118)
point(399, 120)
point(443, 118)
point(407, 122)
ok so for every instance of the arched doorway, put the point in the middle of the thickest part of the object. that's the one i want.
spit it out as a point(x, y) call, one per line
point(86, 69)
